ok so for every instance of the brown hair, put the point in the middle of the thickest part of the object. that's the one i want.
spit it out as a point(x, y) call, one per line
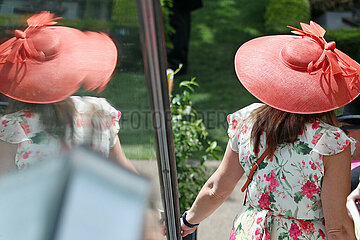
point(282, 127)
point(56, 117)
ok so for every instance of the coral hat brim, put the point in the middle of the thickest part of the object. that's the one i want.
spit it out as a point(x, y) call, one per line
point(260, 67)
point(72, 59)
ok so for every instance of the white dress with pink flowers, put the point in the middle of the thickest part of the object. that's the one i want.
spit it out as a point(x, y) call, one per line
point(96, 123)
point(283, 199)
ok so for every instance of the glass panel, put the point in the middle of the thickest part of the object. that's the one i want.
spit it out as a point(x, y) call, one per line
point(127, 90)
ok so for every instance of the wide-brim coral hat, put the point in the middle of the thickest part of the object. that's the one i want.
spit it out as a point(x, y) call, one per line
point(298, 74)
point(46, 64)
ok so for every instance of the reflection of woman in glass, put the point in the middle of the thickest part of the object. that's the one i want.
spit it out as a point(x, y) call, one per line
point(40, 68)
point(299, 190)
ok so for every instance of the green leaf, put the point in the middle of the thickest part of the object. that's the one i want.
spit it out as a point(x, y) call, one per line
point(212, 146)
point(298, 196)
point(177, 70)
point(271, 197)
point(283, 236)
point(296, 212)
point(302, 148)
point(288, 213)
point(38, 138)
point(238, 229)
point(263, 165)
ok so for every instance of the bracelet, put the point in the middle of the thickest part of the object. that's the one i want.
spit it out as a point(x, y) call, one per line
point(187, 223)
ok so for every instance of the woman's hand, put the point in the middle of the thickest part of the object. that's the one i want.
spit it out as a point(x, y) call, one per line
point(351, 203)
point(354, 195)
point(185, 230)
point(353, 211)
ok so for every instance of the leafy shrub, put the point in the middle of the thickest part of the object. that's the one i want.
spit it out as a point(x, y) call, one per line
point(318, 7)
point(166, 7)
point(280, 13)
point(347, 40)
point(190, 140)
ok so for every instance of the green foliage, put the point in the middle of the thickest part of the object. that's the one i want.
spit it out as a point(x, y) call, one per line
point(280, 13)
point(347, 40)
point(166, 6)
point(320, 6)
point(124, 13)
point(89, 24)
point(190, 140)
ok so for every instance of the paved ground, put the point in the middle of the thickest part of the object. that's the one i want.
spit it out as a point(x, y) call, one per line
point(218, 225)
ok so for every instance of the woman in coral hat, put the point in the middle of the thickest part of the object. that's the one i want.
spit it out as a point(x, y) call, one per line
point(295, 158)
point(40, 68)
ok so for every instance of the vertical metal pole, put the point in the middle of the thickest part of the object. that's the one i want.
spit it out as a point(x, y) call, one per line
point(153, 49)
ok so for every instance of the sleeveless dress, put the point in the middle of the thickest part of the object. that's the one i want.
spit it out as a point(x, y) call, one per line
point(96, 123)
point(283, 200)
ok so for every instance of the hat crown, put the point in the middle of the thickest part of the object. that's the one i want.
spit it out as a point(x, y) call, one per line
point(46, 42)
point(298, 53)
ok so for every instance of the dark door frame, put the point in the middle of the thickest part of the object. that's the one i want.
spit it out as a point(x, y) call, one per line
point(154, 56)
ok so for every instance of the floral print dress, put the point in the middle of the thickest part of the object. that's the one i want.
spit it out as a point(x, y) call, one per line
point(283, 200)
point(96, 123)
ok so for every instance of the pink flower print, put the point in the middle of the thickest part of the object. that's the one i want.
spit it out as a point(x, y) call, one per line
point(316, 177)
point(27, 114)
point(316, 138)
point(25, 127)
point(267, 234)
point(26, 155)
point(259, 220)
point(244, 129)
point(283, 177)
point(113, 121)
point(234, 124)
point(23, 165)
point(79, 123)
point(345, 145)
point(233, 234)
point(313, 166)
point(264, 200)
point(315, 125)
point(119, 114)
point(294, 231)
point(228, 118)
point(257, 231)
point(309, 188)
point(274, 183)
point(307, 226)
point(302, 132)
point(337, 135)
point(4, 123)
point(322, 234)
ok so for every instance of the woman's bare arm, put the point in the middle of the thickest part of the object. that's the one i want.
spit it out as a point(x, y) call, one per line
point(117, 154)
point(216, 190)
point(7, 157)
point(335, 189)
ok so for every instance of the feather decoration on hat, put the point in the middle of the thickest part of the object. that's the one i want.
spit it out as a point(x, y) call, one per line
point(20, 48)
point(330, 61)
point(43, 18)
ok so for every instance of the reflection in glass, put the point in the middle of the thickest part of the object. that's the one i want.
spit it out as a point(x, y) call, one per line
point(127, 90)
